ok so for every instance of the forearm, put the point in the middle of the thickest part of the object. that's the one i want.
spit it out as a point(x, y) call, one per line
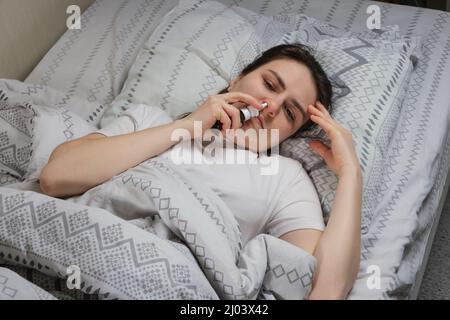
point(76, 167)
point(338, 251)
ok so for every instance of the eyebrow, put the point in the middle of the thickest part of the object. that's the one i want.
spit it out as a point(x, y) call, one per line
point(294, 102)
point(299, 107)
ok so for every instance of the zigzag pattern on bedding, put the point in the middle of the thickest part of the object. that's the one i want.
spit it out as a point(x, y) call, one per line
point(407, 147)
point(117, 260)
point(415, 250)
point(399, 154)
point(394, 178)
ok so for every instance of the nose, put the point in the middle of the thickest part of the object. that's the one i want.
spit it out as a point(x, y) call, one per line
point(273, 107)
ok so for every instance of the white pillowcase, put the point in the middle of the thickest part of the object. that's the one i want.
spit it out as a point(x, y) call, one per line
point(190, 55)
point(52, 127)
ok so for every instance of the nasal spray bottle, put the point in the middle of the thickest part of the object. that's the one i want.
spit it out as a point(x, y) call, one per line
point(245, 113)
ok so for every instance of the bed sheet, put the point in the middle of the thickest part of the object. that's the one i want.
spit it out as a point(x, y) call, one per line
point(402, 202)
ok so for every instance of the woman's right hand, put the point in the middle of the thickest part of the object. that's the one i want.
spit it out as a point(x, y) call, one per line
point(220, 108)
point(341, 158)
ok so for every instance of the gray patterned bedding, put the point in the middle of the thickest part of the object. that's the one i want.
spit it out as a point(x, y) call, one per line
point(149, 233)
point(15, 287)
point(401, 206)
point(92, 63)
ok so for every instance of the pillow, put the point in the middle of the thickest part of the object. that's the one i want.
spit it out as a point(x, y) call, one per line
point(52, 127)
point(7, 179)
point(199, 48)
point(15, 138)
point(34, 120)
point(189, 55)
point(376, 73)
point(16, 287)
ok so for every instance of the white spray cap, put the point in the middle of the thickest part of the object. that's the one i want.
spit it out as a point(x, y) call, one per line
point(250, 112)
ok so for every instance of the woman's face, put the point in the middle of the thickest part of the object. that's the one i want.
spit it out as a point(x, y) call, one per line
point(289, 88)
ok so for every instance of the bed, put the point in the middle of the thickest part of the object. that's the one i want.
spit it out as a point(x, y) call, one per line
point(88, 68)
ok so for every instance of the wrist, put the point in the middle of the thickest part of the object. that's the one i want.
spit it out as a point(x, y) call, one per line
point(184, 127)
point(351, 171)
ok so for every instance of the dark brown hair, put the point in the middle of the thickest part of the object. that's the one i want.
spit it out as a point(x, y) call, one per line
point(301, 54)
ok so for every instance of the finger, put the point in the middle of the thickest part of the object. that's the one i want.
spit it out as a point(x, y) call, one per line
point(315, 111)
point(233, 97)
point(324, 124)
point(326, 116)
point(225, 120)
point(322, 108)
point(234, 114)
point(217, 114)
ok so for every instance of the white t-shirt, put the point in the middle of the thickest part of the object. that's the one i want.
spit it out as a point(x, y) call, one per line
point(274, 204)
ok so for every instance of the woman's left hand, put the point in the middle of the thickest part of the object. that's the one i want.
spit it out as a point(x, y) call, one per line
point(341, 157)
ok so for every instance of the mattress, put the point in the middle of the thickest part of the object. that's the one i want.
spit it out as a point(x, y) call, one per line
point(92, 64)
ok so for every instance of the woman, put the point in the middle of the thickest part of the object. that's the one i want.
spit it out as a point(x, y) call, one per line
point(296, 89)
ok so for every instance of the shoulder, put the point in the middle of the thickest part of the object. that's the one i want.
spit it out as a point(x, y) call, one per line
point(293, 178)
point(292, 168)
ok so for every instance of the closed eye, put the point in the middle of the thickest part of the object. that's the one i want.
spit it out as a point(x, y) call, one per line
point(290, 114)
point(269, 85)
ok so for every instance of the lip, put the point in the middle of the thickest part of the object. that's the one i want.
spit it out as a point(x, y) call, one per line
point(261, 121)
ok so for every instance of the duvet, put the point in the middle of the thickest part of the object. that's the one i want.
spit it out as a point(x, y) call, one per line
point(152, 232)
